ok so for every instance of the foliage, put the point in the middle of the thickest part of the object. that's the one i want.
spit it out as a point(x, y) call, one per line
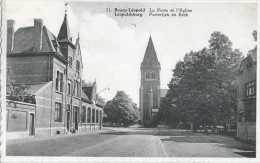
point(121, 110)
point(201, 90)
point(17, 92)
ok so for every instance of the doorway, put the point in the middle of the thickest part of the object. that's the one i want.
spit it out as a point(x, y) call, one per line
point(31, 125)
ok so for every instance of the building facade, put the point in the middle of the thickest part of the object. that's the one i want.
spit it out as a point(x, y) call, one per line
point(150, 85)
point(246, 98)
point(51, 69)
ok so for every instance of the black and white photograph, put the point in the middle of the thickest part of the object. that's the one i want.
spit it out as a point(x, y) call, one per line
point(163, 80)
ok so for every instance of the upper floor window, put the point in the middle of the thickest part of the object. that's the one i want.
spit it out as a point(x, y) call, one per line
point(70, 61)
point(250, 88)
point(150, 75)
point(77, 67)
point(69, 88)
point(58, 112)
point(59, 81)
point(76, 88)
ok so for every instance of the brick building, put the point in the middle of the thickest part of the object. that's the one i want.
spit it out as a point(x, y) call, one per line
point(51, 69)
point(150, 85)
point(246, 98)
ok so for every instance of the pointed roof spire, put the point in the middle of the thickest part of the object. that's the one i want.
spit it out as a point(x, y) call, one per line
point(64, 33)
point(150, 57)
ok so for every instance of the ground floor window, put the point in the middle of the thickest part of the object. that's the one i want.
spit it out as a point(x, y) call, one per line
point(89, 115)
point(97, 116)
point(58, 112)
point(250, 88)
point(75, 117)
point(93, 116)
point(83, 114)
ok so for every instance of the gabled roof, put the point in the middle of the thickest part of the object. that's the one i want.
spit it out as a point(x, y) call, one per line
point(64, 33)
point(150, 57)
point(85, 97)
point(89, 89)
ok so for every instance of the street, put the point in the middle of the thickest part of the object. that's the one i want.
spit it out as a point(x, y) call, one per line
point(132, 142)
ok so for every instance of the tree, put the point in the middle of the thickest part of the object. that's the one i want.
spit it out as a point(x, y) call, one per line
point(16, 92)
point(168, 112)
point(121, 110)
point(201, 86)
point(195, 89)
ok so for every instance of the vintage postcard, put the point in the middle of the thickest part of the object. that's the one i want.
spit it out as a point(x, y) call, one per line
point(123, 81)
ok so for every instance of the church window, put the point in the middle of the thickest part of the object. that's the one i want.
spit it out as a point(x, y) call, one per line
point(147, 75)
point(153, 75)
point(150, 75)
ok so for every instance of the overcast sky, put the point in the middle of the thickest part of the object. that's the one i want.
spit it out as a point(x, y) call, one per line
point(113, 47)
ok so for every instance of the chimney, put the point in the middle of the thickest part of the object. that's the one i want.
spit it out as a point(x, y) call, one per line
point(10, 35)
point(38, 25)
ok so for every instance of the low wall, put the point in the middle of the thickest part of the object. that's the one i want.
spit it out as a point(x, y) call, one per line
point(246, 131)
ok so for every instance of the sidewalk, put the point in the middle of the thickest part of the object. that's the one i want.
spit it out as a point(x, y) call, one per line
point(45, 137)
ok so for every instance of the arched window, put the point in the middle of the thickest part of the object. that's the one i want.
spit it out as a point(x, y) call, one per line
point(83, 114)
point(89, 115)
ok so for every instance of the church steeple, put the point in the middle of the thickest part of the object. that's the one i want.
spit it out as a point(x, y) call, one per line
point(150, 85)
point(150, 57)
point(64, 33)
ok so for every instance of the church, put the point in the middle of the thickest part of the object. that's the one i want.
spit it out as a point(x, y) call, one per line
point(150, 92)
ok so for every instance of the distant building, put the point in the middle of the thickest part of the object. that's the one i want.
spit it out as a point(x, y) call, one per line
point(150, 92)
point(246, 98)
point(51, 68)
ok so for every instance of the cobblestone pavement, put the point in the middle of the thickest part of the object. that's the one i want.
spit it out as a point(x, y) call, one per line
point(133, 142)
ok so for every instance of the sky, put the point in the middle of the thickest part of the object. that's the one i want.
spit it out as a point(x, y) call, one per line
point(113, 47)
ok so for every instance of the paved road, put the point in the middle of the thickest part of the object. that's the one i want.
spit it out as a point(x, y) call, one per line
point(123, 142)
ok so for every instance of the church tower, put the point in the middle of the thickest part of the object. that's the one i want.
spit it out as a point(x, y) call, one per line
point(150, 85)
